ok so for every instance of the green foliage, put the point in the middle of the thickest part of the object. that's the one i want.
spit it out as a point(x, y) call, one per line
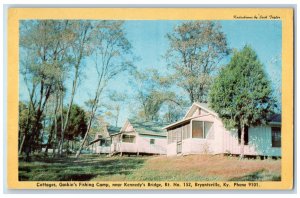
point(27, 121)
point(241, 94)
point(77, 124)
point(196, 48)
point(153, 90)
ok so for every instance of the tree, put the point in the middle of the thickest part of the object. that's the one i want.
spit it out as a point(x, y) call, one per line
point(80, 33)
point(77, 123)
point(242, 94)
point(52, 52)
point(111, 55)
point(152, 91)
point(26, 122)
point(275, 67)
point(196, 48)
point(113, 107)
point(42, 63)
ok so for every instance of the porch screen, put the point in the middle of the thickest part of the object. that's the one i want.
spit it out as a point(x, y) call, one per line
point(107, 142)
point(172, 136)
point(186, 131)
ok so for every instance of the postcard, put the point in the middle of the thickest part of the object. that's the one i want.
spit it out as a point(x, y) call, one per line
point(150, 98)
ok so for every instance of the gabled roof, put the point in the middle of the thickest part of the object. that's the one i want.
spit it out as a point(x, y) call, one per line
point(203, 106)
point(183, 121)
point(146, 127)
point(189, 115)
point(113, 130)
point(276, 118)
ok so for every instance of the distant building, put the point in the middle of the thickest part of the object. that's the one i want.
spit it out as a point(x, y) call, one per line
point(102, 141)
point(139, 138)
point(202, 131)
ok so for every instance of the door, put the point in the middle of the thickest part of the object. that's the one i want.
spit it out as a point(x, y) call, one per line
point(179, 140)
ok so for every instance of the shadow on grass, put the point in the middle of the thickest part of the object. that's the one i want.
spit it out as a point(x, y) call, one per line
point(71, 169)
point(260, 175)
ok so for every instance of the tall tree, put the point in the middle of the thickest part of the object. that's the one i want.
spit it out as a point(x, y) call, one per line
point(26, 122)
point(114, 107)
point(111, 55)
point(274, 65)
point(79, 33)
point(242, 94)
point(42, 61)
point(77, 125)
point(53, 52)
point(196, 48)
point(152, 91)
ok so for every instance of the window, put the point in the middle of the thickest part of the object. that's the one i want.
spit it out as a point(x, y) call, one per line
point(197, 129)
point(128, 138)
point(246, 136)
point(276, 137)
point(208, 128)
point(152, 141)
point(201, 129)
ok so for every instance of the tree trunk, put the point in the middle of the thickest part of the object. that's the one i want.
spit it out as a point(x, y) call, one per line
point(85, 136)
point(55, 145)
point(74, 84)
point(61, 144)
point(50, 138)
point(21, 145)
point(242, 141)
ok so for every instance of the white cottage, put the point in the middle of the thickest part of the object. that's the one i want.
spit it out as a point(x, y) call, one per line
point(102, 141)
point(202, 131)
point(139, 138)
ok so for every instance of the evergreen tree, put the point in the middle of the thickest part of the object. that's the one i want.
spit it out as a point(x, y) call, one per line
point(242, 94)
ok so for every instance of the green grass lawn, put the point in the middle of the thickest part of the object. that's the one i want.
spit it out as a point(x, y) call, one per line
point(155, 168)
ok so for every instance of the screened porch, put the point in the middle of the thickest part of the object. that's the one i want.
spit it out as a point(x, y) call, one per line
point(194, 129)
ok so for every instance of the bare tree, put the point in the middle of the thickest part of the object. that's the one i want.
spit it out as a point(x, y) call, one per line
point(110, 49)
point(196, 48)
point(80, 33)
point(42, 62)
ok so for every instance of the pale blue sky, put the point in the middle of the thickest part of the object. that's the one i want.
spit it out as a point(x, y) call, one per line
point(149, 42)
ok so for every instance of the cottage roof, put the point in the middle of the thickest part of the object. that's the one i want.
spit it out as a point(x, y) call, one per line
point(113, 130)
point(204, 106)
point(276, 118)
point(148, 128)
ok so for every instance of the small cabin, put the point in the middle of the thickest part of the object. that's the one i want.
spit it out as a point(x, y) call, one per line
point(140, 138)
point(201, 131)
point(102, 141)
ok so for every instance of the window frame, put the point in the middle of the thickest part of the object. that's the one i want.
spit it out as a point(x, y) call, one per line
point(204, 135)
point(152, 141)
